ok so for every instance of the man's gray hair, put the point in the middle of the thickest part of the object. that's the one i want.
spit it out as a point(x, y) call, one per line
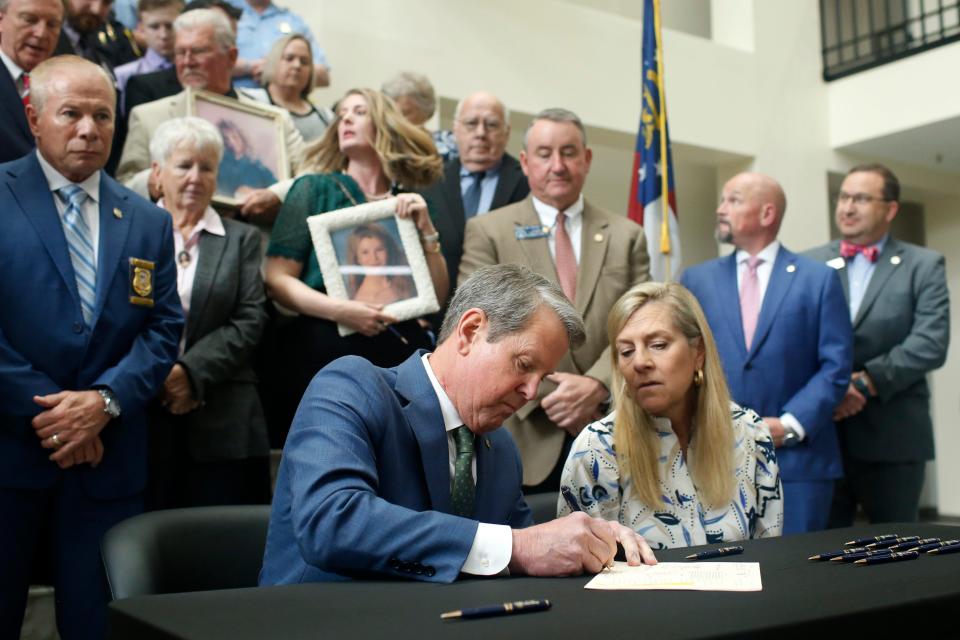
point(42, 74)
point(506, 111)
point(415, 86)
point(222, 31)
point(556, 114)
point(193, 132)
point(510, 295)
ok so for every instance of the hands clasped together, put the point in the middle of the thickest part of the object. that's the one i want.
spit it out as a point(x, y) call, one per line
point(70, 424)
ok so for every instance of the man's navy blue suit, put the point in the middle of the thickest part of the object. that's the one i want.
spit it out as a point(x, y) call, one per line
point(45, 348)
point(364, 485)
point(799, 363)
point(16, 140)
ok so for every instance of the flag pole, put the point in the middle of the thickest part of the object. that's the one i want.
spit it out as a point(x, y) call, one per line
point(665, 249)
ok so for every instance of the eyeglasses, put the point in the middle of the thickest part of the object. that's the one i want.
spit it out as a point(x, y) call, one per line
point(492, 126)
point(858, 198)
point(193, 52)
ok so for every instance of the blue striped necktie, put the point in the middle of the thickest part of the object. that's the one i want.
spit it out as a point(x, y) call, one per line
point(80, 244)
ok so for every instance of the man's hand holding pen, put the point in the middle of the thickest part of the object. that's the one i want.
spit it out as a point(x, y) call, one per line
point(575, 544)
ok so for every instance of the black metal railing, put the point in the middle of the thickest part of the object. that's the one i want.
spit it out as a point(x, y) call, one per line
point(861, 34)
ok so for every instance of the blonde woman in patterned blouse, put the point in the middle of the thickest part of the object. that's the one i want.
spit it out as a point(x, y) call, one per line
point(677, 461)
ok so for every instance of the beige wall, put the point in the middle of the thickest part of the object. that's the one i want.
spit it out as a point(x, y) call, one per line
point(744, 92)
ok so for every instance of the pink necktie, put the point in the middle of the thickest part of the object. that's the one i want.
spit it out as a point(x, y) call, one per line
point(566, 260)
point(750, 299)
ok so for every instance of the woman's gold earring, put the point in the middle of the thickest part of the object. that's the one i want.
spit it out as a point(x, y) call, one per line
point(698, 377)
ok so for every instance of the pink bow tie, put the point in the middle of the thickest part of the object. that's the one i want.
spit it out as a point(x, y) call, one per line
point(849, 250)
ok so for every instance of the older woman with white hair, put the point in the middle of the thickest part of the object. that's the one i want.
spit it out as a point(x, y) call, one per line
point(415, 97)
point(677, 462)
point(208, 437)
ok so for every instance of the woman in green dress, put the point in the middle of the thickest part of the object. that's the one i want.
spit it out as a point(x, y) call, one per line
point(369, 153)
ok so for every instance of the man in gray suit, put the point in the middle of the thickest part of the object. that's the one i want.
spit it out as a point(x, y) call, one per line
point(594, 255)
point(900, 310)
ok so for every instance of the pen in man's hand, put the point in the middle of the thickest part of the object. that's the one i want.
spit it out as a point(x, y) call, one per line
point(507, 608)
point(571, 501)
point(715, 553)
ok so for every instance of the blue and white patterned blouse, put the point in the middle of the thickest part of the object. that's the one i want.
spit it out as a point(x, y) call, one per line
point(592, 473)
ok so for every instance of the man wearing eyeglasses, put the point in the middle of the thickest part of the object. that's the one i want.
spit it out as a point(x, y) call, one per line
point(484, 177)
point(900, 309)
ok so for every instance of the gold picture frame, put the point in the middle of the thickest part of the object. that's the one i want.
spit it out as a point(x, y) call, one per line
point(254, 144)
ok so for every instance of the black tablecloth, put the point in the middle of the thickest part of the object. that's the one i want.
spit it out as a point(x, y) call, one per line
point(799, 597)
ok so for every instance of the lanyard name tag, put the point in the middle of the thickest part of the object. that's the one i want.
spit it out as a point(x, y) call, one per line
point(531, 233)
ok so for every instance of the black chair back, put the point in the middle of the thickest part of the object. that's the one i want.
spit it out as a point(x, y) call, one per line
point(180, 550)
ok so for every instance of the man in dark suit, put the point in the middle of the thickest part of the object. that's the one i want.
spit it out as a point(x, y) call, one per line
point(784, 338)
point(900, 308)
point(483, 178)
point(90, 32)
point(403, 472)
point(595, 255)
point(88, 332)
point(28, 34)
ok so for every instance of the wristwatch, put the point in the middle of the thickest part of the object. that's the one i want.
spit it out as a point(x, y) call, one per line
point(790, 437)
point(111, 404)
point(860, 384)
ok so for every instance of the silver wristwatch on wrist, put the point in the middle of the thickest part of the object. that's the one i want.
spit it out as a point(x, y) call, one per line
point(111, 404)
point(790, 437)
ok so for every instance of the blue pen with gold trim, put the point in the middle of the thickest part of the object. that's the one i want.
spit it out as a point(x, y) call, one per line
point(507, 608)
point(896, 556)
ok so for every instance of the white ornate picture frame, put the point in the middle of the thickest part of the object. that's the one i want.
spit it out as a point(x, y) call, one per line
point(335, 235)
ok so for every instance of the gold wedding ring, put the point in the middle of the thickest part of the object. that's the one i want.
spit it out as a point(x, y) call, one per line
point(55, 438)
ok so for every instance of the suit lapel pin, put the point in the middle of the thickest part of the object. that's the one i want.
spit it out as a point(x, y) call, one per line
point(598, 237)
point(791, 268)
point(486, 441)
point(894, 260)
point(117, 213)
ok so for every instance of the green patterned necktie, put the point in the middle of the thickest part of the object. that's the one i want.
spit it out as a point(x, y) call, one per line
point(463, 490)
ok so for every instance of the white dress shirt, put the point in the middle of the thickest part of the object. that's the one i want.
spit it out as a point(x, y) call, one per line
point(764, 271)
point(15, 72)
point(91, 207)
point(493, 544)
point(859, 272)
point(187, 269)
point(573, 224)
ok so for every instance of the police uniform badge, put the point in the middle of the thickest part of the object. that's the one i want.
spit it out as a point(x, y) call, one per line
point(141, 282)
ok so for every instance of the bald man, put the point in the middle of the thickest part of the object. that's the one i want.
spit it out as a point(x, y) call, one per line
point(783, 331)
point(482, 178)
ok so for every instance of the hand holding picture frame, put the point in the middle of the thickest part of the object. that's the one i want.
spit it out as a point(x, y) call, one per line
point(367, 254)
point(254, 144)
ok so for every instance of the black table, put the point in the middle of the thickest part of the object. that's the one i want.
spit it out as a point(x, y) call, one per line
point(799, 597)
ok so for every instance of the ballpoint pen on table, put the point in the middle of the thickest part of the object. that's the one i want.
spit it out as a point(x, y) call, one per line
point(889, 543)
point(896, 556)
point(859, 542)
point(507, 608)
point(942, 551)
point(715, 553)
point(913, 544)
point(853, 557)
point(830, 555)
point(923, 548)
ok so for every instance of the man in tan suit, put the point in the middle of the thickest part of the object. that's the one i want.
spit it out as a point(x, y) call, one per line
point(594, 255)
point(205, 52)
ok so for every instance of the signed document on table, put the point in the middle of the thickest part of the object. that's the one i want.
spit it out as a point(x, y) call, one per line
point(699, 576)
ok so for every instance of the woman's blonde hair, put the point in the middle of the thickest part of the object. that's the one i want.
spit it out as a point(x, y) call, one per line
point(710, 453)
point(275, 55)
point(406, 151)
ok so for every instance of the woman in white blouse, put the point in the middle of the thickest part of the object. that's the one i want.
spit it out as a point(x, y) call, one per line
point(207, 434)
point(677, 461)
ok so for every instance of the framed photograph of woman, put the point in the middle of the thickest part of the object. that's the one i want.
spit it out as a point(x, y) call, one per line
point(367, 254)
point(254, 153)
